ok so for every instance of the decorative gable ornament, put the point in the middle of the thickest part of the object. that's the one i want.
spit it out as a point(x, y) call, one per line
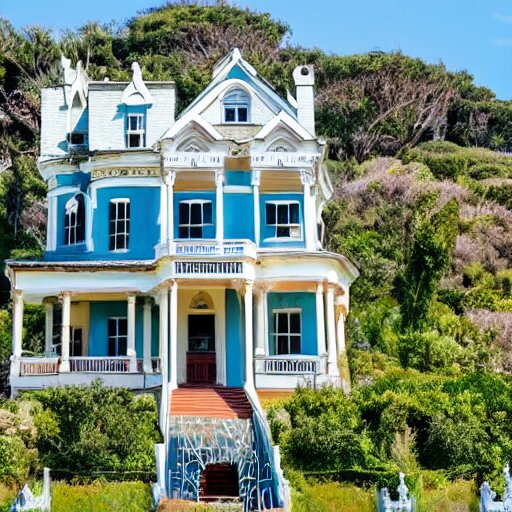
point(136, 93)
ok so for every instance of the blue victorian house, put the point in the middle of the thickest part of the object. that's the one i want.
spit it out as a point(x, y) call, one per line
point(185, 256)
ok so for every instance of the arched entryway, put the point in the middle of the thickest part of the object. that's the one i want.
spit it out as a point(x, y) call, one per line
point(218, 481)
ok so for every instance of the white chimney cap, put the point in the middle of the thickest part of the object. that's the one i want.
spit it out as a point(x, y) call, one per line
point(304, 75)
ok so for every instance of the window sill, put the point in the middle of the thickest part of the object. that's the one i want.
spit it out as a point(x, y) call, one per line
point(119, 251)
point(283, 239)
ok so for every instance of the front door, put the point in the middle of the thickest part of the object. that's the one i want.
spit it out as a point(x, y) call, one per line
point(201, 363)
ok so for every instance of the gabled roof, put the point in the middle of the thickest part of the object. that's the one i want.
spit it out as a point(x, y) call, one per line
point(284, 120)
point(192, 120)
point(234, 66)
point(136, 93)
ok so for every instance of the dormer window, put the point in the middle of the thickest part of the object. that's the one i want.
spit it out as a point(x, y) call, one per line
point(236, 106)
point(74, 222)
point(135, 130)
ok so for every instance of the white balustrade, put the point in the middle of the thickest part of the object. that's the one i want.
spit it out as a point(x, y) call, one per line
point(189, 160)
point(288, 365)
point(39, 365)
point(208, 268)
point(100, 364)
point(155, 364)
point(282, 159)
point(213, 248)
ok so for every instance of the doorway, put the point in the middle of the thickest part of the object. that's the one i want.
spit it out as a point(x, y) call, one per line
point(218, 481)
point(201, 359)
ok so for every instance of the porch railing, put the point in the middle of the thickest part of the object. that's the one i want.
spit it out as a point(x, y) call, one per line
point(100, 364)
point(289, 365)
point(39, 365)
point(213, 248)
point(155, 365)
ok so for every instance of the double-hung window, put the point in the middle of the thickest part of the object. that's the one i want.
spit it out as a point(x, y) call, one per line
point(119, 224)
point(75, 341)
point(287, 331)
point(236, 107)
point(194, 216)
point(283, 217)
point(74, 221)
point(135, 131)
point(117, 336)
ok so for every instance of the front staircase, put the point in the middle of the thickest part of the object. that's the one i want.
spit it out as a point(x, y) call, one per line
point(210, 402)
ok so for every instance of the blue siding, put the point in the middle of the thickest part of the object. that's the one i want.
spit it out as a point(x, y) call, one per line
point(241, 178)
point(80, 179)
point(144, 228)
point(306, 301)
point(239, 216)
point(209, 231)
point(234, 340)
point(100, 312)
point(268, 232)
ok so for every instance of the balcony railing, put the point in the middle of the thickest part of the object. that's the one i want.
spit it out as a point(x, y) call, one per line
point(281, 159)
point(289, 365)
point(189, 160)
point(213, 248)
point(155, 365)
point(39, 365)
point(208, 268)
point(100, 364)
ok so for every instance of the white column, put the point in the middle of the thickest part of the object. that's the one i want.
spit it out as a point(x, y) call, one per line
point(340, 332)
point(163, 213)
point(146, 365)
point(320, 320)
point(260, 320)
point(256, 177)
point(48, 326)
point(309, 210)
point(130, 350)
point(171, 177)
point(173, 321)
point(249, 350)
point(332, 362)
point(17, 330)
point(219, 195)
point(164, 352)
point(64, 337)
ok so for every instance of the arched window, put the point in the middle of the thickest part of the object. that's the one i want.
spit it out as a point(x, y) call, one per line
point(74, 221)
point(237, 106)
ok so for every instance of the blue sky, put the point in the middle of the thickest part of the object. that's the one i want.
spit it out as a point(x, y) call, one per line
point(475, 35)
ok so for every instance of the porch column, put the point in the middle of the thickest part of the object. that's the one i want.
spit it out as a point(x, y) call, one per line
point(340, 331)
point(164, 351)
point(146, 365)
point(255, 182)
point(219, 196)
point(171, 177)
point(260, 296)
point(249, 350)
point(309, 211)
point(64, 337)
point(48, 325)
point(17, 330)
point(163, 213)
point(332, 361)
point(130, 345)
point(173, 320)
point(320, 319)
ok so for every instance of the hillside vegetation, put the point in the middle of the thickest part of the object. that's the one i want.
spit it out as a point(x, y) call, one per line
point(420, 158)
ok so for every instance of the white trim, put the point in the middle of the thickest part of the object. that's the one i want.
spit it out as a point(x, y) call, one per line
point(237, 189)
point(287, 311)
point(60, 191)
point(290, 225)
point(51, 238)
point(127, 224)
point(186, 120)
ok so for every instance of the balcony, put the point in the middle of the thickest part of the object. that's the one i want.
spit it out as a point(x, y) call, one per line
point(191, 160)
point(235, 248)
point(277, 159)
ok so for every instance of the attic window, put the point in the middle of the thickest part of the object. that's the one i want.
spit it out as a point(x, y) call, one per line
point(77, 139)
point(236, 106)
point(135, 131)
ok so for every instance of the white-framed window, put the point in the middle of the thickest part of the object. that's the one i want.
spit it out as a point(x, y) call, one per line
point(287, 331)
point(284, 217)
point(117, 336)
point(194, 215)
point(74, 221)
point(135, 130)
point(236, 106)
point(119, 224)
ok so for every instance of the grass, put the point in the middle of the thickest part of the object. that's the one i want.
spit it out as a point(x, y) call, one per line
point(101, 497)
